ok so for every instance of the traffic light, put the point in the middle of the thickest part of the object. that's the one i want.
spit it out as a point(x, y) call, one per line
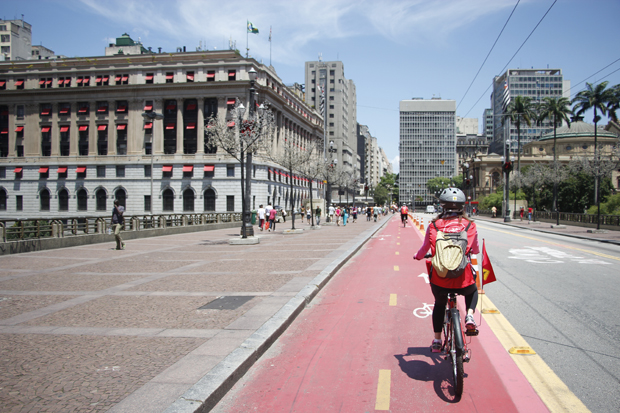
point(467, 182)
point(507, 166)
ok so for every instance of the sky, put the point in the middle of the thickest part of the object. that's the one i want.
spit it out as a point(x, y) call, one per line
point(393, 50)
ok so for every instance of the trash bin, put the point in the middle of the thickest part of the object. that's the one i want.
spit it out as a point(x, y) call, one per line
point(254, 217)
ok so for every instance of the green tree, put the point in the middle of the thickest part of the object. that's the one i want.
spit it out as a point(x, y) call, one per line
point(381, 195)
point(614, 104)
point(597, 98)
point(558, 110)
point(520, 109)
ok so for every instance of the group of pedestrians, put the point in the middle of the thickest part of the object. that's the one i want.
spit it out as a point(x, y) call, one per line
point(267, 217)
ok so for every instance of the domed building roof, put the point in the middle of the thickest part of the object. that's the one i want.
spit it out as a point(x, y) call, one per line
point(578, 129)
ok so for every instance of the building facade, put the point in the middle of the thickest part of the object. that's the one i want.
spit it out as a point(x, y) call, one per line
point(536, 84)
point(72, 135)
point(427, 146)
point(467, 126)
point(487, 131)
point(15, 40)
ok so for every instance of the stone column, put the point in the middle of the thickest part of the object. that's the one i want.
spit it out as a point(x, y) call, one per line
point(180, 126)
point(200, 127)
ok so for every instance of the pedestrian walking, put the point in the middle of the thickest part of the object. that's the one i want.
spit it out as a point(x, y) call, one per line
point(309, 215)
point(317, 214)
point(529, 214)
point(338, 212)
point(368, 213)
point(261, 216)
point(494, 211)
point(118, 221)
point(345, 216)
point(521, 213)
point(332, 211)
point(272, 219)
point(354, 212)
point(283, 215)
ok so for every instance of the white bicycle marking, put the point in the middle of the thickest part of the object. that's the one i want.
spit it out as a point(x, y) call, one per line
point(425, 275)
point(546, 255)
point(423, 312)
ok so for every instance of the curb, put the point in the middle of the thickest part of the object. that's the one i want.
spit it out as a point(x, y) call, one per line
point(211, 388)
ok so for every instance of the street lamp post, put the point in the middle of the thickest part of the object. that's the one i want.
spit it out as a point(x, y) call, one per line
point(152, 117)
point(465, 166)
point(507, 167)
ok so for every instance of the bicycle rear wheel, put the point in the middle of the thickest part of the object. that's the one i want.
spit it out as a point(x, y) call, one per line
point(456, 354)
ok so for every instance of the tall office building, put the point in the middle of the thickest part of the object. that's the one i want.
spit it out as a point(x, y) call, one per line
point(487, 130)
point(340, 103)
point(15, 40)
point(427, 146)
point(534, 83)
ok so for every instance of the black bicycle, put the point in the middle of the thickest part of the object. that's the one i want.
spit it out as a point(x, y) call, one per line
point(403, 218)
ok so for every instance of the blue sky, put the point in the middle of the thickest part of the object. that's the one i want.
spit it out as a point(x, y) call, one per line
point(393, 50)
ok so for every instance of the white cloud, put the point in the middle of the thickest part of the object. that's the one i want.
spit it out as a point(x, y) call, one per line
point(395, 164)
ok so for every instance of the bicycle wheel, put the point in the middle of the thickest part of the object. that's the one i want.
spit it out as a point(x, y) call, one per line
point(456, 353)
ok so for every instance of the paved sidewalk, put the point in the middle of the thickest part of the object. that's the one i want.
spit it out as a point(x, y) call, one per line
point(90, 328)
point(574, 231)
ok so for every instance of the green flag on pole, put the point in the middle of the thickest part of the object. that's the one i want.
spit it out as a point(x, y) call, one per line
point(252, 29)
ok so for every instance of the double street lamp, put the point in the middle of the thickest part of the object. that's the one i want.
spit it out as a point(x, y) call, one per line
point(507, 167)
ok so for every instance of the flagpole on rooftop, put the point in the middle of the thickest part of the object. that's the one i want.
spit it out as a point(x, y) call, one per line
point(269, 45)
point(247, 35)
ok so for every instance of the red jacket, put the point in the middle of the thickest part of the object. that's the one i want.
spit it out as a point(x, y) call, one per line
point(451, 225)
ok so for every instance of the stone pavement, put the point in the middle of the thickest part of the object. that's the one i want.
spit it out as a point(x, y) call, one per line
point(609, 236)
point(90, 328)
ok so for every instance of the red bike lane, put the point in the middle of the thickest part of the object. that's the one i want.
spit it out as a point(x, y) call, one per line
point(359, 347)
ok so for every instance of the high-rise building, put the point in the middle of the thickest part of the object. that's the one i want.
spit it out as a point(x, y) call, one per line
point(467, 126)
point(15, 40)
point(427, 146)
point(487, 131)
point(534, 83)
point(339, 108)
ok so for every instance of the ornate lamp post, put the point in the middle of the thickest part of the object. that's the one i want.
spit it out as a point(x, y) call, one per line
point(507, 167)
point(152, 117)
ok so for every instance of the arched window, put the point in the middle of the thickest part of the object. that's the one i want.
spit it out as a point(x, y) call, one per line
point(188, 200)
point(209, 200)
point(2, 200)
point(121, 196)
point(168, 200)
point(44, 197)
point(63, 200)
point(82, 198)
point(101, 196)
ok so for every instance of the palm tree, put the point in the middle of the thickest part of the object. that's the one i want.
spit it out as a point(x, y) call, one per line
point(594, 97)
point(557, 109)
point(614, 104)
point(520, 109)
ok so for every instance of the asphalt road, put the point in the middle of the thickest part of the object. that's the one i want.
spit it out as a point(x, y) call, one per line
point(561, 294)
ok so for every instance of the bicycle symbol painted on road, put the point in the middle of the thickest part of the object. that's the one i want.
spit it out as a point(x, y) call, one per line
point(423, 312)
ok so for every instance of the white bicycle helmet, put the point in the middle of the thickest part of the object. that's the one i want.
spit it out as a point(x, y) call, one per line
point(452, 200)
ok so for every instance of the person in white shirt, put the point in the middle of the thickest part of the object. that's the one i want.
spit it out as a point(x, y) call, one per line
point(332, 211)
point(261, 216)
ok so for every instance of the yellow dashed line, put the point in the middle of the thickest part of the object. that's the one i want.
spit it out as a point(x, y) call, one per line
point(396, 268)
point(392, 299)
point(554, 243)
point(397, 253)
point(383, 390)
point(398, 243)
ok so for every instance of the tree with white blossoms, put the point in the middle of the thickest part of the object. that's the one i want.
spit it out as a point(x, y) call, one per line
point(314, 169)
point(241, 137)
point(291, 156)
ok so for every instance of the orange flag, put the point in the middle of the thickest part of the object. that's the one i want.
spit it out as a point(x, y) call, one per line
point(488, 275)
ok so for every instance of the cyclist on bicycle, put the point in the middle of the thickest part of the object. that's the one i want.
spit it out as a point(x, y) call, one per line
point(404, 210)
point(452, 220)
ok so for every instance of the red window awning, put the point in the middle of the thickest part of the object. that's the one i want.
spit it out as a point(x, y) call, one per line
point(191, 106)
point(148, 107)
point(83, 109)
point(210, 75)
point(209, 168)
point(48, 82)
point(148, 125)
point(117, 78)
point(172, 106)
point(121, 126)
point(80, 169)
point(43, 169)
point(41, 82)
point(83, 128)
point(64, 129)
point(86, 80)
point(106, 78)
point(68, 81)
point(166, 168)
point(190, 125)
point(230, 124)
point(19, 83)
point(171, 126)
point(149, 77)
point(121, 108)
point(17, 169)
point(45, 111)
point(4, 131)
point(19, 129)
point(232, 72)
point(230, 102)
point(102, 127)
point(168, 77)
point(125, 78)
point(99, 79)
point(79, 80)
point(102, 108)
point(61, 81)
point(61, 169)
point(45, 129)
point(188, 168)
point(64, 111)
point(190, 77)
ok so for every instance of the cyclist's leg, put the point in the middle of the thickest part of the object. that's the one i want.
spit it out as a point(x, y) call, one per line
point(439, 310)
point(471, 300)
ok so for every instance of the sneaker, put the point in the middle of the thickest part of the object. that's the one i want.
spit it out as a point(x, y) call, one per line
point(470, 324)
point(123, 246)
point(436, 346)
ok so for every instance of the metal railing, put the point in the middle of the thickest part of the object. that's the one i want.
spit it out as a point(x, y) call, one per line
point(570, 218)
point(26, 229)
